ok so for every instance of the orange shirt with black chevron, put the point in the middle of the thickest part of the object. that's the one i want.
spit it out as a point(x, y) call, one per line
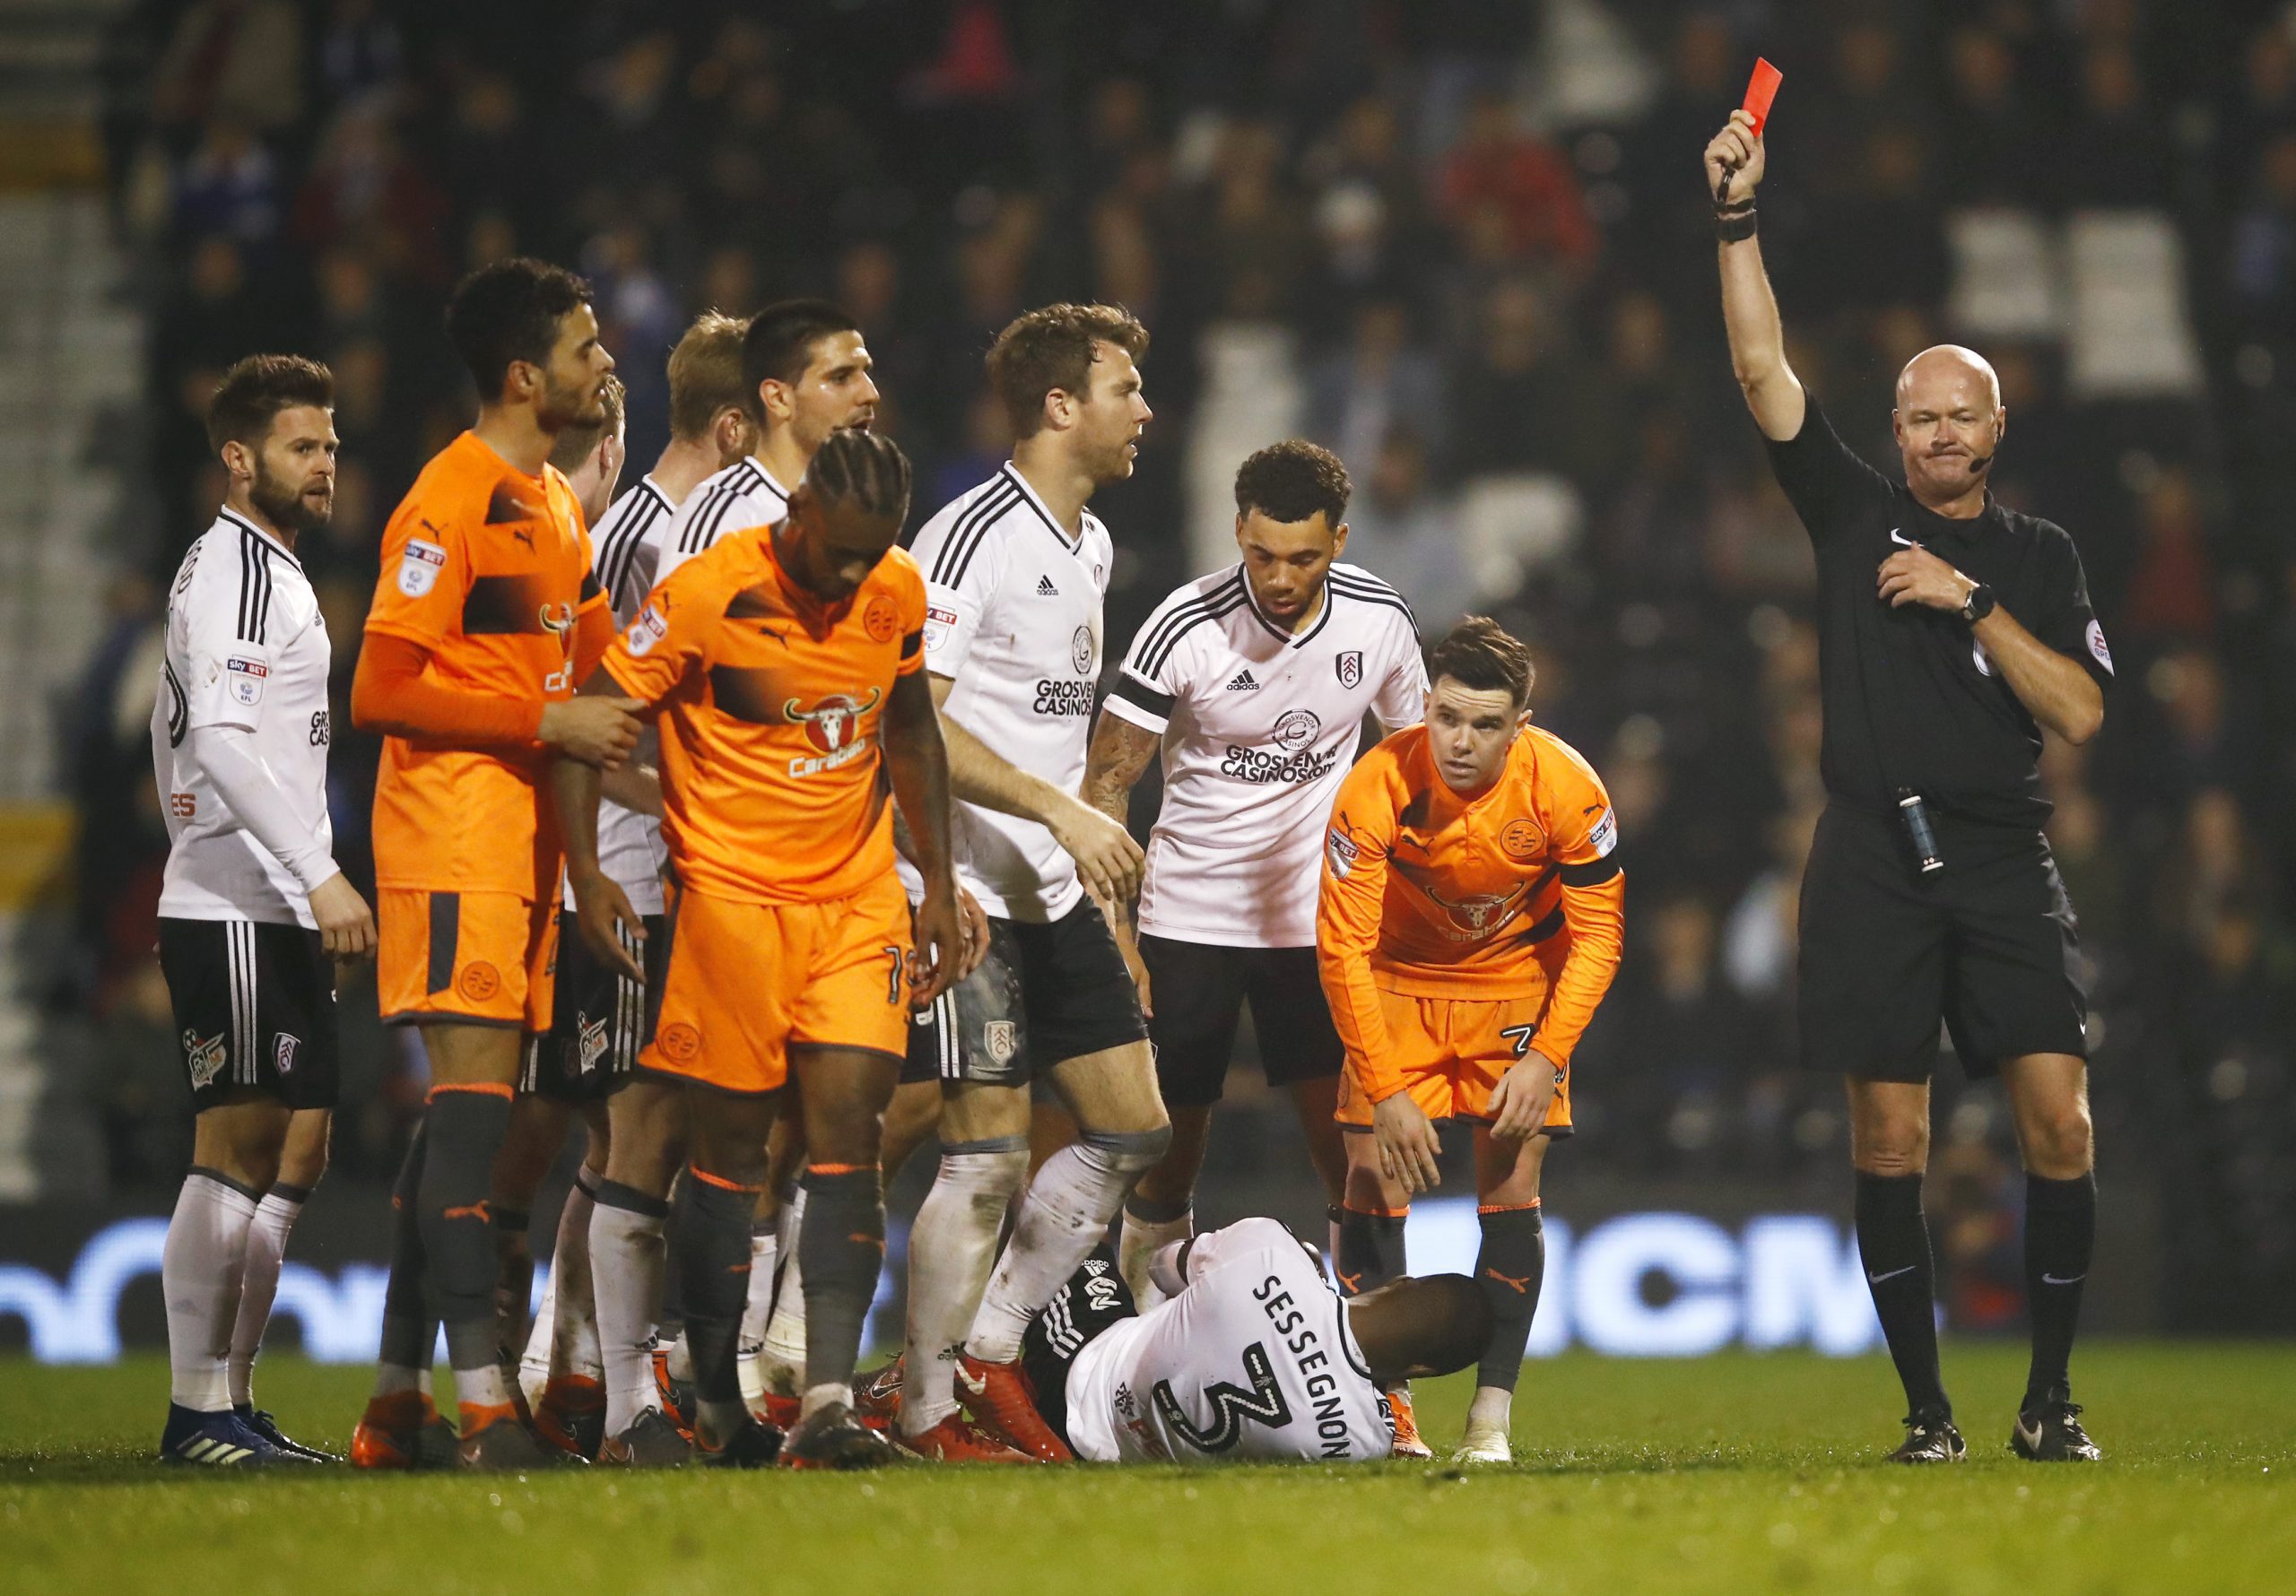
point(488, 568)
point(1427, 895)
point(773, 705)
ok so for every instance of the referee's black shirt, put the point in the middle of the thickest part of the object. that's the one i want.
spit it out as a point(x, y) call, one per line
point(1912, 677)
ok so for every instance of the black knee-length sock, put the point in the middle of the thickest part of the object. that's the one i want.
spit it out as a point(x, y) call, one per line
point(1893, 1243)
point(2060, 1235)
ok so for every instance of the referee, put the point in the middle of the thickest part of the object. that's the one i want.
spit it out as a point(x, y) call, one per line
point(1952, 630)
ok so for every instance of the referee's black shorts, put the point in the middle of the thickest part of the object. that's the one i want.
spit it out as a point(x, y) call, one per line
point(1988, 944)
point(1199, 991)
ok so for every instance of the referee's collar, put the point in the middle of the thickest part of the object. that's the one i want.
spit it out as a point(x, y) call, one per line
point(1958, 526)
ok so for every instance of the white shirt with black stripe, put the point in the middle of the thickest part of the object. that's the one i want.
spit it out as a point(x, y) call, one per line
point(1254, 1358)
point(1012, 618)
point(246, 648)
point(1259, 726)
point(743, 494)
point(627, 548)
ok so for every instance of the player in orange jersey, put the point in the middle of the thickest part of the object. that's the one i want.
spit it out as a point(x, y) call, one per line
point(484, 617)
point(786, 666)
point(1470, 922)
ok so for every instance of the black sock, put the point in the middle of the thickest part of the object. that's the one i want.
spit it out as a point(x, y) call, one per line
point(1371, 1249)
point(409, 1328)
point(1509, 1265)
point(1149, 1210)
point(710, 1238)
point(1893, 1244)
point(466, 1130)
point(841, 1252)
point(2060, 1234)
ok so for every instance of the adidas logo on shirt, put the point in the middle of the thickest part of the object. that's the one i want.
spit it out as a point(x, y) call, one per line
point(1045, 589)
point(1243, 682)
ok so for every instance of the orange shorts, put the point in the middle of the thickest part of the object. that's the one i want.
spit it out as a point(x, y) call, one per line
point(746, 981)
point(467, 958)
point(1452, 1052)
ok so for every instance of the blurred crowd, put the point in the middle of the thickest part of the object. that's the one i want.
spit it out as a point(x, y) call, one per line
point(1464, 243)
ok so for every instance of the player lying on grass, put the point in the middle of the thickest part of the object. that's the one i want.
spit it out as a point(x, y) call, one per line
point(1245, 1353)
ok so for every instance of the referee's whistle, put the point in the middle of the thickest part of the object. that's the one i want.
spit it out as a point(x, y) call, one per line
point(1919, 830)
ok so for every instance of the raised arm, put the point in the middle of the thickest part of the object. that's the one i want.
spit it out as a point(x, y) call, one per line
point(1105, 857)
point(1749, 309)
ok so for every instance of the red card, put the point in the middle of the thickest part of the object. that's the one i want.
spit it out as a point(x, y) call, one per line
point(1761, 91)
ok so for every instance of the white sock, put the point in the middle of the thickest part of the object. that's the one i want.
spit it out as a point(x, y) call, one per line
point(781, 1361)
point(1140, 1240)
point(681, 1358)
point(200, 1270)
point(483, 1387)
point(534, 1363)
point(626, 1253)
point(274, 1217)
point(1491, 1406)
point(821, 1396)
point(574, 1347)
point(1066, 1214)
point(950, 1248)
point(765, 1248)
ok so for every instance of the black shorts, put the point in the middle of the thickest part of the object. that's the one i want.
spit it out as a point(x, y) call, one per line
point(255, 1006)
point(1199, 992)
point(1988, 944)
point(1045, 993)
point(1091, 1300)
point(599, 1020)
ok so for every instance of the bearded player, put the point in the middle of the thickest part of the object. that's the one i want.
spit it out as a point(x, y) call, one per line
point(484, 617)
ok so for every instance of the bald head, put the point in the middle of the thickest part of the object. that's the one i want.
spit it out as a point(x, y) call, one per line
point(1949, 421)
point(1948, 369)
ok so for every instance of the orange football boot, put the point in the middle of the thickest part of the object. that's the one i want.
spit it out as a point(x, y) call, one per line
point(403, 1430)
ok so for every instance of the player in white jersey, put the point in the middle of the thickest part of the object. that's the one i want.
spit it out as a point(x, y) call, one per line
point(803, 374)
point(1246, 1354)
point(253, 912)
point(1014, 574)
point(1252, 683)
point(598, 1018)
point(1238, 1350)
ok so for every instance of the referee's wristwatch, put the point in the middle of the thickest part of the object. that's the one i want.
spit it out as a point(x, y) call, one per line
point(1978, 604)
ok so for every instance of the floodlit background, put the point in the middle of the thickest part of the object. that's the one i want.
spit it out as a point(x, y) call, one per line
point(1461, 242)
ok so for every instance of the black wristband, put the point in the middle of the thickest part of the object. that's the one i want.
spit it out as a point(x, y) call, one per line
point(1736, 223)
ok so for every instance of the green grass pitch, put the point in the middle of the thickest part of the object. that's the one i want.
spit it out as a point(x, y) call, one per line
point(1737, 1473)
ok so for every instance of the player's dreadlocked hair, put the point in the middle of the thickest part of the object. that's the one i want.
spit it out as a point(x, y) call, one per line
point(1478, 652)
point(1291, 481)
point(863, 469)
